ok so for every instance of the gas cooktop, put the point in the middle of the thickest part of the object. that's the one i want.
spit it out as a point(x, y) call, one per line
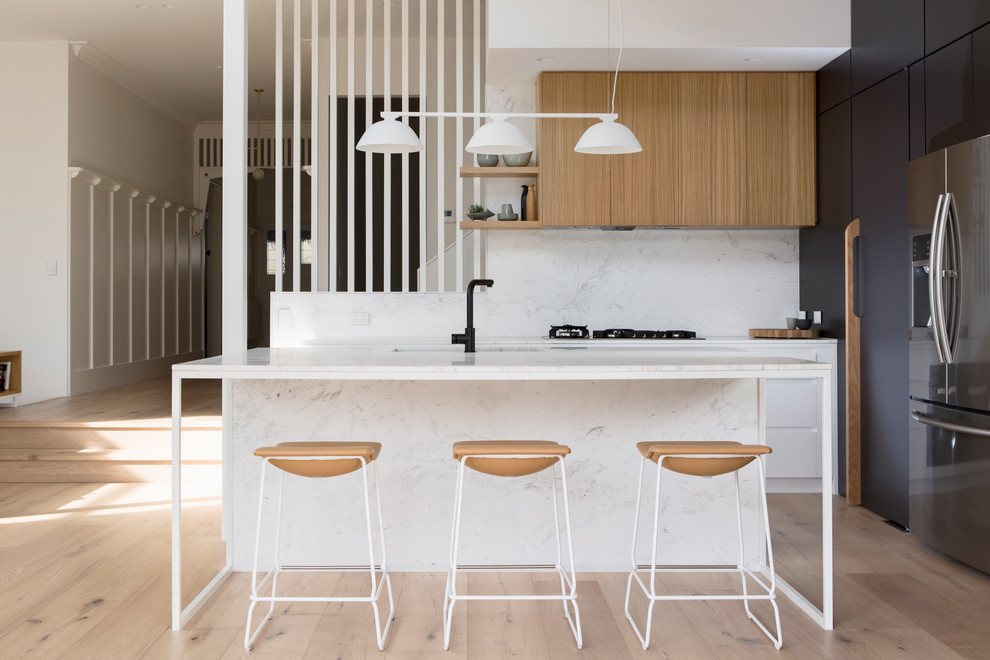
point(581, 332)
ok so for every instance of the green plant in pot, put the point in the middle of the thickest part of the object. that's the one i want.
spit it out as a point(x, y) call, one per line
point(479, 212)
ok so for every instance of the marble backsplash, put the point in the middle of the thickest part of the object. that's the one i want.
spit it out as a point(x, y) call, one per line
point(716, 282)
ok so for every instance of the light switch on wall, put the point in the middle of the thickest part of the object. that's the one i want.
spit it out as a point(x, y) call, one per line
point(817, 317)
point(51, 267)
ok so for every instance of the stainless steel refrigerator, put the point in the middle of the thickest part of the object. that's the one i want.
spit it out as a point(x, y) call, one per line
point(949, 436)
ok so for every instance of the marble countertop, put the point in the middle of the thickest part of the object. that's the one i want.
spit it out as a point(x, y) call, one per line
point(406, 359)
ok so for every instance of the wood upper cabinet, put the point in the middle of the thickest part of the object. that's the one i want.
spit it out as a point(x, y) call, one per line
point(712, 131)
point(646, 186)
point(780, 149)
point(719, 149)
point(578, 190)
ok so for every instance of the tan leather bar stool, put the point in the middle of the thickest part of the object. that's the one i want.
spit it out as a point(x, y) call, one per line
point(703, 459)
point(514, 459)
point(321, 460)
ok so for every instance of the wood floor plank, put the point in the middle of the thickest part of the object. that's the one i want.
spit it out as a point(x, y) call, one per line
point(417, 633)
point(503, 629)
point(601, 635)
point(347, 630)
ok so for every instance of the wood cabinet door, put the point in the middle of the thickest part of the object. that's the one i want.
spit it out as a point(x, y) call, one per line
point(574, 188)
point(646, 186)
point(780, 149)
point(712, 123)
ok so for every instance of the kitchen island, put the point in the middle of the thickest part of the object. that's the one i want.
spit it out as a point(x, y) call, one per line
point(417, 399)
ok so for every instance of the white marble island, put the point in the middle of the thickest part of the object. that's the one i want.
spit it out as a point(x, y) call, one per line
point(417, 399)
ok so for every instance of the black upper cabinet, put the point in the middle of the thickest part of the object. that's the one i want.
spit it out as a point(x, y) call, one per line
point(981, 81)
point(832, 82)
point(918, 144)
point(947, 20)
point(887, 36)
point(880, 137)
point(949, 95)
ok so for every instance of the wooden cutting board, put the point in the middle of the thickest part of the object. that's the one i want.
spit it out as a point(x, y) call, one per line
point(783, 333)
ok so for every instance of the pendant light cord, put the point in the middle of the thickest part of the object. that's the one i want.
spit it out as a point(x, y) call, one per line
point(615, 81)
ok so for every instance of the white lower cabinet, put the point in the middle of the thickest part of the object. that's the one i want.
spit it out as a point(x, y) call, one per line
point(794, 419)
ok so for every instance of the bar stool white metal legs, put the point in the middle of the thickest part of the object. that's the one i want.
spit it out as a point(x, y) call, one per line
point(514, 459)
point(321, 460)
point(703, 459)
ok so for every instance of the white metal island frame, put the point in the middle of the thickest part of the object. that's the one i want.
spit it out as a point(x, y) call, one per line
point(375, 363)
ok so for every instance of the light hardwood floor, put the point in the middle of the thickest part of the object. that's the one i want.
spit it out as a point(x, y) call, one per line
point(84, 573)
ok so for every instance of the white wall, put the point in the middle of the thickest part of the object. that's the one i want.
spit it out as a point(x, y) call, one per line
point(33, 199)
point(114, 132)
point(136, 277)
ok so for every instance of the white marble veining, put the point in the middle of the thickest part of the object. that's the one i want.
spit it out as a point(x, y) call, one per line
point(417, 421)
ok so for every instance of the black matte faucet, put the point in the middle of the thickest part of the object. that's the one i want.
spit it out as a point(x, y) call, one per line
point(468, 337)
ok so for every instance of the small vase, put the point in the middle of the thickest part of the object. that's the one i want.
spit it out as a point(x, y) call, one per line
point(529, 210)
point(487, 160)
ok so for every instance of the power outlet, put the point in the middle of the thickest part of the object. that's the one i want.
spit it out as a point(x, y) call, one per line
point(51, 267)
point(817, 317)
point(360, 318)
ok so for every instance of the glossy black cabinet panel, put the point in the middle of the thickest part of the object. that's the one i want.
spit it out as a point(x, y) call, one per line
point(916, 83)
point(947, 20)
point(832, 82)
point(949, 95)
point(887, 35)
point(981, 81)
point(822, 247)
point(880, 136)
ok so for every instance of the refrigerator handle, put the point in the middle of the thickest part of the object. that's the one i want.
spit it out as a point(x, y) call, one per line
point(919, 416)
point(935, 298)
point(951, 278)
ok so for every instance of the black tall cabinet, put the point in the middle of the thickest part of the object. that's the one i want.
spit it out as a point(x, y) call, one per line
point(880, 200)
point(917, 79)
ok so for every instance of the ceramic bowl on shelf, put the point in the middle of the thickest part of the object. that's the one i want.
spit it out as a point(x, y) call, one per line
point(487, 160)
point(517, 160)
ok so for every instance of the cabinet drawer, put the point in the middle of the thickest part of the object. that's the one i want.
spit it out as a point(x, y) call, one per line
point(795, 453)
point(792, 403)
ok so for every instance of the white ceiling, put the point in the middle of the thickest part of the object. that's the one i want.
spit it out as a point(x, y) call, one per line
point(170, 57)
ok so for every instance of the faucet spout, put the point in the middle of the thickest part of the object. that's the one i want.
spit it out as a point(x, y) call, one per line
point(467, 338)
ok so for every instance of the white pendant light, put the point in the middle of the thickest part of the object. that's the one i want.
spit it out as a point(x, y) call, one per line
point(608, 137)
point(498, 137)
point(389, 136)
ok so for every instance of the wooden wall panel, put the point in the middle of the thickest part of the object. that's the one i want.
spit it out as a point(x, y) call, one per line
point(574, 188)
